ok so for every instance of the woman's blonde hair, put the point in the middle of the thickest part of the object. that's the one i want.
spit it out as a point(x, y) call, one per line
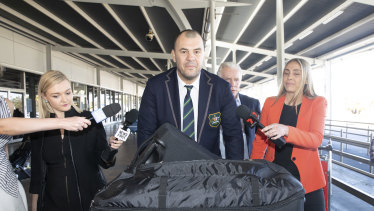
point(306, 86)
point(48, 80)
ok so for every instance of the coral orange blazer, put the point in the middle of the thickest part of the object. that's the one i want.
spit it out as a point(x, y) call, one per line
point(306, 137)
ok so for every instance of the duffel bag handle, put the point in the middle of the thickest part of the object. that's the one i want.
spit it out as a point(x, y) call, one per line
point(151, 151)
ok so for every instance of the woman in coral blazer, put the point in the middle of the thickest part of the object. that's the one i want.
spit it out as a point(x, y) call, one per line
point(297, 113)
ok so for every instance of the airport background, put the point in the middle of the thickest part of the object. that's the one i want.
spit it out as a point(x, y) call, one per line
point(345, 79)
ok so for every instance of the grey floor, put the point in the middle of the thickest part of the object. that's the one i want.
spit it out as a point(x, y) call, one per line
point(340, 200)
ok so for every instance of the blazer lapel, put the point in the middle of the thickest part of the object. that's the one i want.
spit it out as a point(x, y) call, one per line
point(278, 107)
point(172, 90)
point(205, 92)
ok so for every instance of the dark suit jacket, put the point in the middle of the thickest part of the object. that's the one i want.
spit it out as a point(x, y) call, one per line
point(254, 105)
point(160, 104)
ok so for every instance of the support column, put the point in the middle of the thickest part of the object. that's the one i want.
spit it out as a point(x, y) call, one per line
point(48, 57)
point(213, 35)
point(99, 86)
point(280, 40)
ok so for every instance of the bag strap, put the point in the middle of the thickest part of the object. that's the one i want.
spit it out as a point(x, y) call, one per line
point(255, 191)
point(162, 193)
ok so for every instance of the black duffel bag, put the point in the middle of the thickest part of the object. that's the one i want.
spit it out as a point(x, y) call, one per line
point(198, 184)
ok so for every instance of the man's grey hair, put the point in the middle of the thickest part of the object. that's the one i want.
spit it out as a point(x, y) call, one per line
point(230, 65)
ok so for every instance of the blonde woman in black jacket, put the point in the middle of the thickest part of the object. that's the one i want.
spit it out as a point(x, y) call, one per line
point(65, 164)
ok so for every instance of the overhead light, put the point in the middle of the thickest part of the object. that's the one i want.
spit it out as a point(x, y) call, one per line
point(258, 64)
point(332, 17)
point(305, 34)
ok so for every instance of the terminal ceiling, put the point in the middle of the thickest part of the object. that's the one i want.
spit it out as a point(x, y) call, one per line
point(110, 34)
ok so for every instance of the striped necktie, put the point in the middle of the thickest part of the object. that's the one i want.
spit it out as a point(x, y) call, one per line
point(188, 115)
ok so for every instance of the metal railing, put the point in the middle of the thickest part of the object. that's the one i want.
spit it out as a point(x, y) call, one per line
point(356, 134)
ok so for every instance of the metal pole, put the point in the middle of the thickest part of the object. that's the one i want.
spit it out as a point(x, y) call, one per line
point(48, 57)
point(280, 40)
point(213, 35)
point(233, 56)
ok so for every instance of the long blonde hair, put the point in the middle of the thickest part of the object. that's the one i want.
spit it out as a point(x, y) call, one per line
point(48, 80)
point(306, 86)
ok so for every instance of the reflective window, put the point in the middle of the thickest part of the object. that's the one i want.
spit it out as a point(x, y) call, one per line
point(11, 78)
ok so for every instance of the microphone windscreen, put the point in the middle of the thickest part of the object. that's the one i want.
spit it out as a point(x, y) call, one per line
point(243, 112)
point(112, 109)
point(131, 116)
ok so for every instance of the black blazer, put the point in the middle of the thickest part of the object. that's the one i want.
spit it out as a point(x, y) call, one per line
point(160, 104)
point(89, 149)
point(254, 105)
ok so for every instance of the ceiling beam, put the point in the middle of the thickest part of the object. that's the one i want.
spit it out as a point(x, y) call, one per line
point(285, 19)
point(47, 30)
point(155, 31)
point(66, 25)
point(368, 2)
point(364, 43)
point(245, 26)
point(263, 51)
point(77, 9)
point(177, 14)
point(124, 70)
point(113, 52)
point(128, 31)
point(190, 4)
point(296, 37)
point(338, 34)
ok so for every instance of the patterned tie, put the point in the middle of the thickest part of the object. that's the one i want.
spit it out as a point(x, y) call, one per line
point(188, 115)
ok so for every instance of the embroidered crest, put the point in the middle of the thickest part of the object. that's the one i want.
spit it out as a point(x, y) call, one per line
point(215, 119)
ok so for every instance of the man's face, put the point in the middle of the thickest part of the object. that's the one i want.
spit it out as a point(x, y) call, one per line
point(233, 76)
point(188, 53)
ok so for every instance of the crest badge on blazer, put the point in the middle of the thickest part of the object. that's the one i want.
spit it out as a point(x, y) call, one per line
point(215, 119)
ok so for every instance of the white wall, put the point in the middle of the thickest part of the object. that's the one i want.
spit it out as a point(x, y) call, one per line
point(73, 68)
point(21, 52)
point(110, 81)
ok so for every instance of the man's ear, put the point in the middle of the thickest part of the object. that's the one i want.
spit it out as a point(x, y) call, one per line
point(173, 55)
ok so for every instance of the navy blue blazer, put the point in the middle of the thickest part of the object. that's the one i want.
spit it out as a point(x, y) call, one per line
point(253, 105)
point(160, 104)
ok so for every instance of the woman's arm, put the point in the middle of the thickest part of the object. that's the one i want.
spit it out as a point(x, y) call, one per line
point(34, 202)
point(17, 126)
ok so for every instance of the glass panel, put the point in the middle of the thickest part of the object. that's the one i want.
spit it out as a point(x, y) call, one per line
point(11, 78)
point(79, 95)
point(32, 95)
point(102, 98)
point(90, 98)
point(4, 94)
point(17, 100)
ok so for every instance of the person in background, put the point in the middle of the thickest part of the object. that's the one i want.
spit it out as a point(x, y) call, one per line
point(298, 114)
point(232, 73)
point(192, 99)
point(65, 173)
point(12, 194)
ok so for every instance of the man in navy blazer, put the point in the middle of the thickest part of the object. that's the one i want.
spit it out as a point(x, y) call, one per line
point(232, 73)
point(213, 102)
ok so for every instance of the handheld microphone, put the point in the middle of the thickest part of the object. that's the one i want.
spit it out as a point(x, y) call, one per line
point(123, 131)
point(251, 119)
point(102, 114)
